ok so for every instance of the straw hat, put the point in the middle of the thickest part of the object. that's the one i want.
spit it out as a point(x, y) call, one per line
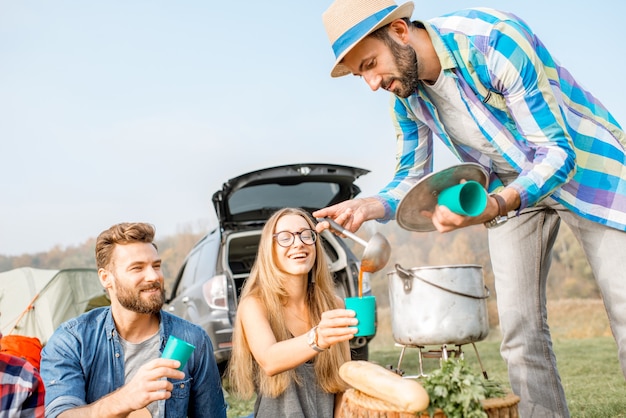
point(347, 22)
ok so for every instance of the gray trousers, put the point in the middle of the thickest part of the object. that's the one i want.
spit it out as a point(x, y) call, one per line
point(520, 253)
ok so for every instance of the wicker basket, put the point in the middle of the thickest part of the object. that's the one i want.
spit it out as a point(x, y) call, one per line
point(357, 404)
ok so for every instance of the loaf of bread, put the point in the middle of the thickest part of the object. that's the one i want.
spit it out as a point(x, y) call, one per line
point(381, 383)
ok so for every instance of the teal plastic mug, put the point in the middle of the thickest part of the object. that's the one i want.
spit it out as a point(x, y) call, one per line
point(467, 199)
point(365, 308)
point(178, 349)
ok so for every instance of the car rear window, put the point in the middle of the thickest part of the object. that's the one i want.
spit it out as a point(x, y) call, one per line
point(251, 200)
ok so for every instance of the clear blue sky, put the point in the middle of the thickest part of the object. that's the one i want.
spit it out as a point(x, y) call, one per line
point(129, 110)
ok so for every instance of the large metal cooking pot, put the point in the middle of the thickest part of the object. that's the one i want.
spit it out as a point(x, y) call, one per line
point(438, 305)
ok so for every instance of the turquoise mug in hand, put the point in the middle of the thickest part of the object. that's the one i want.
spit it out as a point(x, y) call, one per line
point(177, 349)
point(467, 199)
point(365, 308)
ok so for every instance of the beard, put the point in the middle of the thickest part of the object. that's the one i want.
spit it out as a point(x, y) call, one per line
point(132, 299)
point(408, 67)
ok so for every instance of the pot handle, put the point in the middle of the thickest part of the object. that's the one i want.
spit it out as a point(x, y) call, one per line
point(406, 277)
point(407, 274)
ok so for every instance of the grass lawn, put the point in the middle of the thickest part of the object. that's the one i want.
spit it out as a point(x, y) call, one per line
point(591, 375)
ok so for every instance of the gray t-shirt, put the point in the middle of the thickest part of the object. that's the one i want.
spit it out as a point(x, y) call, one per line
point(307, 400)
point(135, 356)
point(460, 125)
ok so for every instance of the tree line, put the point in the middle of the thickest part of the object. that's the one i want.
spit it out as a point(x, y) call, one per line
point(570, 275)
point(173, 250)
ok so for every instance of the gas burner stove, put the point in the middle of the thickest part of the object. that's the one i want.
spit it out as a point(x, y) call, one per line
point(443, 353)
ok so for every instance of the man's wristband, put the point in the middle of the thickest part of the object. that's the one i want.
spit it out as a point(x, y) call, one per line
point(502, 215)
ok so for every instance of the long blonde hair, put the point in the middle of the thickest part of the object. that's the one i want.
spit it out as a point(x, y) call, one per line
point(266, 283)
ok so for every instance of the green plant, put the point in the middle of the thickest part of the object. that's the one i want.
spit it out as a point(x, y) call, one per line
point(457, 391)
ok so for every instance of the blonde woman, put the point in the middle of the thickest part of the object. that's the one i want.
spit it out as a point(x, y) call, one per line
point(292, 331)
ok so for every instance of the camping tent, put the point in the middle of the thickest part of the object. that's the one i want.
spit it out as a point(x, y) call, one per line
point(34, 302)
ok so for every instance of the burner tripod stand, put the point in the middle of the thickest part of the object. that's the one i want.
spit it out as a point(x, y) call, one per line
point(443, 353)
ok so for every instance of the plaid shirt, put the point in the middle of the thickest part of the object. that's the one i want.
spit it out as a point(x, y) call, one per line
point(21, 389)
point(557, 136)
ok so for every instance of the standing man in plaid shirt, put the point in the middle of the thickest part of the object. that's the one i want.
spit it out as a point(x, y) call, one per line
point(21, 388)
point(482, 82)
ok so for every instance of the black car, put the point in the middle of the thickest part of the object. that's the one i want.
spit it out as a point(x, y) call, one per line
point(208, 285)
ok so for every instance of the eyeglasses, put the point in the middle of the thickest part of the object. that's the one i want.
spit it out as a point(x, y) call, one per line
point(286, 238)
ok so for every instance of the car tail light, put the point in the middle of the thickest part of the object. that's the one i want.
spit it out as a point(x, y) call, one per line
point(215, 292)
point(354, 268)
point(367, 285)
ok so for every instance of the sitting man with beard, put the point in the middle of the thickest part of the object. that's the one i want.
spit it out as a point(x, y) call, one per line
point(106, 362)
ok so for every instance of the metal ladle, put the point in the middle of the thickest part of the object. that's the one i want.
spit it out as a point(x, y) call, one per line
point(377, 249)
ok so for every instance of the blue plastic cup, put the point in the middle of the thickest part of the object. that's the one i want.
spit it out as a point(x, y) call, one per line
point(178, 349)
point(467, 199)
point(365, 308)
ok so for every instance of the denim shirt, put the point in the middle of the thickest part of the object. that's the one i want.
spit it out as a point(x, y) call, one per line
point(83, 361)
